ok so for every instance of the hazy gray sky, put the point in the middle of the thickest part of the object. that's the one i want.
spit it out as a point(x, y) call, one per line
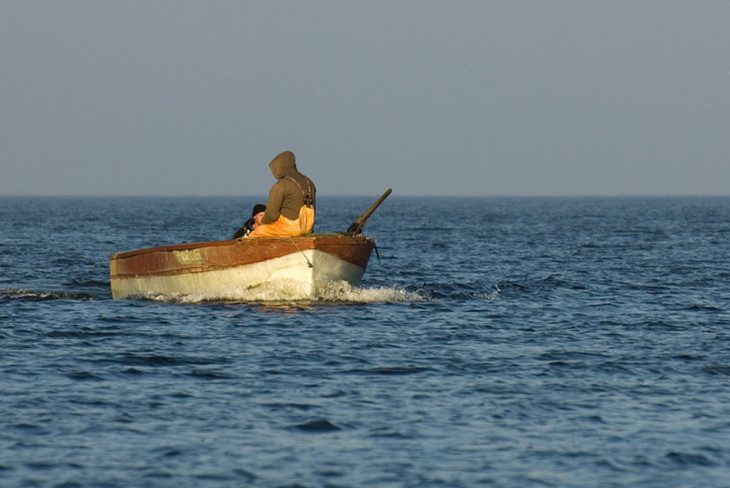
point(430, 98)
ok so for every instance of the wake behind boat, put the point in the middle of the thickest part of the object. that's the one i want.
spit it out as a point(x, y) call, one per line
point(223, 269)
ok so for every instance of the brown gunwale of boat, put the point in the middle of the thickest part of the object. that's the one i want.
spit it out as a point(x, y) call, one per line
point(209, 256)
point(263, 240)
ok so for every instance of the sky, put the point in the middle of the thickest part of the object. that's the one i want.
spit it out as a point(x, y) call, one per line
point(551, 98)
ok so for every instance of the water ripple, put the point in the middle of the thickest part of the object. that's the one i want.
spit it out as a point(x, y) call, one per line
point(525, 342)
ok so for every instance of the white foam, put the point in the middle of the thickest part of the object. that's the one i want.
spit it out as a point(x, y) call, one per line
point(491, 296)
point(293, 291)
point(344, 292)
point(25, 293)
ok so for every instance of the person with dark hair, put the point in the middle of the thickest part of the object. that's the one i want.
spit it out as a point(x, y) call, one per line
point(257, 215)
point(291, 203)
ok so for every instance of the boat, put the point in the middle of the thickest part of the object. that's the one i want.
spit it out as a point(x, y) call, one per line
point(227, 269)
point(223, 269)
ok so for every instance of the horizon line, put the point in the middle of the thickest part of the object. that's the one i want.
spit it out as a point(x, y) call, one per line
point(338, 195)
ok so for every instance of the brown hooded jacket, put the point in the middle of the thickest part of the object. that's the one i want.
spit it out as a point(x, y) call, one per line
point(286, 197)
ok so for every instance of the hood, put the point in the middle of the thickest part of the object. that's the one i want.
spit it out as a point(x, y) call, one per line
point(283, 165)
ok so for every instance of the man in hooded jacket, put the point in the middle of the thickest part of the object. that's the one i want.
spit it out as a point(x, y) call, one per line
point(291, 203)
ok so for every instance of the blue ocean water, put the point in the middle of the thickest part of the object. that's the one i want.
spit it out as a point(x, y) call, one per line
point(559, 342)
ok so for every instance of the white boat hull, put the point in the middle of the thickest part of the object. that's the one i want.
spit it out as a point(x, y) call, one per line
point(300, 275)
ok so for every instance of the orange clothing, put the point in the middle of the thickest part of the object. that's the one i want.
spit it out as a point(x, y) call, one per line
point(284, 227)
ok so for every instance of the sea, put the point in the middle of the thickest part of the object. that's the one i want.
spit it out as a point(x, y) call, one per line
point(502, 342)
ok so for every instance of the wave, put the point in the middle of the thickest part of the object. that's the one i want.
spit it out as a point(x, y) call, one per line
point(288, 292)
point(461, 291)
point(284, 292)
point(318, 426)
point(38, 295)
